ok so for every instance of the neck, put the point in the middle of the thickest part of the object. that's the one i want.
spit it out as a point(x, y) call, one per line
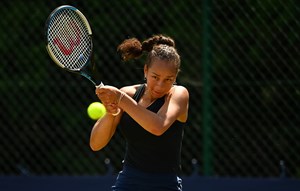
point(146, 99)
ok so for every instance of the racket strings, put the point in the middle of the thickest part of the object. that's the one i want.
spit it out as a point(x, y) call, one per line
point(69, 39)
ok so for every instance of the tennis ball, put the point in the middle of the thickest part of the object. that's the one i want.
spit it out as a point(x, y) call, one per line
point(96, 110)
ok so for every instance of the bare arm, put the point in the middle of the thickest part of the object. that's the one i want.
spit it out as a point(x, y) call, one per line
point(105, 127)
point(102, 131)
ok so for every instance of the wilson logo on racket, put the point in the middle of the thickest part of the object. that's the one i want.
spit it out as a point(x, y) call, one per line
point(69, 45)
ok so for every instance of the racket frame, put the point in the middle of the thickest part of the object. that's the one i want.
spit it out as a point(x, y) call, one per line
point(81, 70)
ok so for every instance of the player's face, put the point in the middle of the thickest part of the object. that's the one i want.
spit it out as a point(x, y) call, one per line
point(161, 75)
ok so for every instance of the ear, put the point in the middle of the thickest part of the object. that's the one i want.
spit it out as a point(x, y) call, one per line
point(145, 70)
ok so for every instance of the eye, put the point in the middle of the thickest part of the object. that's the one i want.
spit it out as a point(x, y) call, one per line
point(169, 80)
point(155, 77)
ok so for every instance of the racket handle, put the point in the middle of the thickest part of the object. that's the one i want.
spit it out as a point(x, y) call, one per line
point(100, 85)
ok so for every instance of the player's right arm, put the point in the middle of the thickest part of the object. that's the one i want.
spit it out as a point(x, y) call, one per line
point(103, 131)
point(105, 127)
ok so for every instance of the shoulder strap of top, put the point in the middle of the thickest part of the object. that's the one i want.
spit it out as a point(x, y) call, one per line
point(139, 92)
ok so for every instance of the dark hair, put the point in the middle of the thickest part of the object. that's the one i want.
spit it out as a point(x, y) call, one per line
point(158, 46)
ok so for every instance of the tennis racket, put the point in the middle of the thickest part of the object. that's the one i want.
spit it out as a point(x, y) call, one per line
point(69, 41)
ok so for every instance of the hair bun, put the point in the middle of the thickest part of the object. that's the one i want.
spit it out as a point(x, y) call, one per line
point(157, 40)
point(165, 40)
point(130, 48)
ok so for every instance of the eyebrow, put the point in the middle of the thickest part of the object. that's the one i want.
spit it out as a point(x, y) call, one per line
point(166, 76)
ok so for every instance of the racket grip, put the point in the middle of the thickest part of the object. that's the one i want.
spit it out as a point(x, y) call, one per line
point(100, 85)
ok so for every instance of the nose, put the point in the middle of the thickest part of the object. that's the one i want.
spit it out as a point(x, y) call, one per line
point(160, 83)
point(159, 86)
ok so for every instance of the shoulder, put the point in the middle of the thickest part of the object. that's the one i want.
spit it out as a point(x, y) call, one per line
point(179, 92)
point(179, 96)
point(130, 90)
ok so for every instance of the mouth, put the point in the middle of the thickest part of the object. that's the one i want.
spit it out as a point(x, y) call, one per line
point(157, 93)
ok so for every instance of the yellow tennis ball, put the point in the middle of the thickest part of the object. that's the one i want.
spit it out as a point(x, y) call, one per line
point(96, 110)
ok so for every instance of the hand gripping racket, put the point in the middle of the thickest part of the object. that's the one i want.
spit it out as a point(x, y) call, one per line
point(69, 40)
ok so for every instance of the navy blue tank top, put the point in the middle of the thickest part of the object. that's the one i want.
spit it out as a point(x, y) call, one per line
point(148, 152)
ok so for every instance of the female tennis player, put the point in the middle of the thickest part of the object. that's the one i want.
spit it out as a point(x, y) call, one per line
point(151, 116)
